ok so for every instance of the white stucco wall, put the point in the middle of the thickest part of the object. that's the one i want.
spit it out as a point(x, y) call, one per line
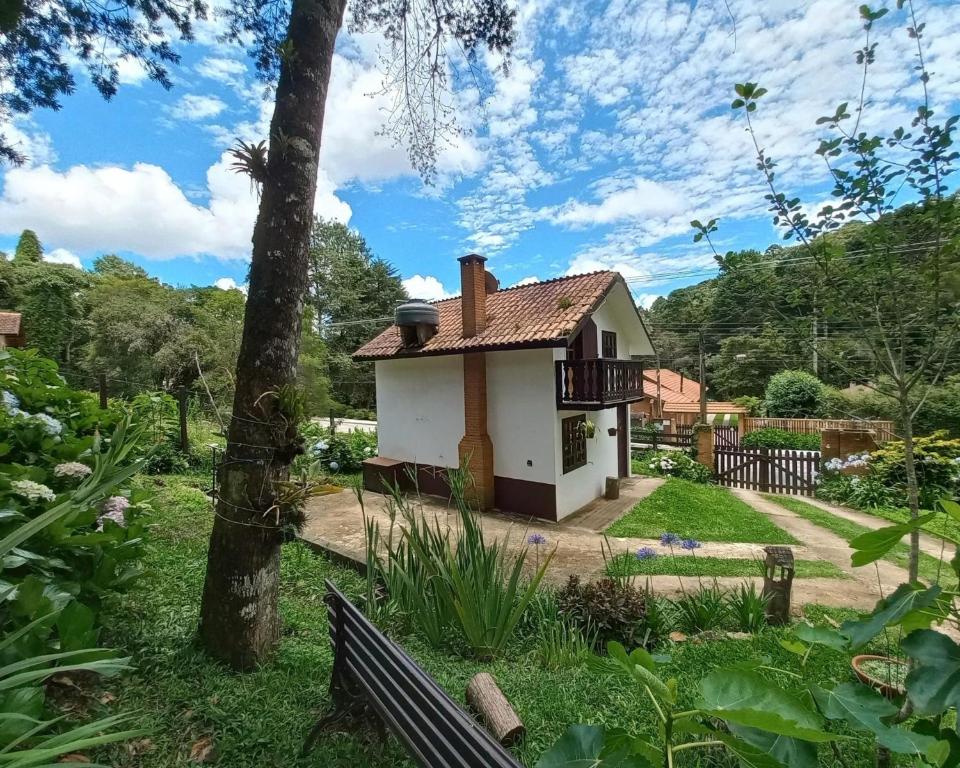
point(521, 411)
point(584, 484)
point(420, 409)
point(617, 314)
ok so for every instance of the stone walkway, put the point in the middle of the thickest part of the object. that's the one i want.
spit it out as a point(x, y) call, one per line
point(335, 524)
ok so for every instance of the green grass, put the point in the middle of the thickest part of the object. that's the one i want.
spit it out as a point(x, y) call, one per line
point(704, 512)
point(259, 719)
point(700, 565)
point(941, 524)
point(929, 567)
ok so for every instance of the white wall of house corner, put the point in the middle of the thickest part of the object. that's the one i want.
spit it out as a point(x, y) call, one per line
point(521, 411)
point(582, 485)
point(420, 409)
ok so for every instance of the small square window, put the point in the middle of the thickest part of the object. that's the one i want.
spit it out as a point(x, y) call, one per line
point(608, 344)
point(573, 433)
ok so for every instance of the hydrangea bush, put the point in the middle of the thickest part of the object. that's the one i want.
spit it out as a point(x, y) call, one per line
point(341, 452)
point(670, 464)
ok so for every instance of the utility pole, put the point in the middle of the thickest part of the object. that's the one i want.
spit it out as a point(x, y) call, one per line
point(816, 356)
point(703, 381)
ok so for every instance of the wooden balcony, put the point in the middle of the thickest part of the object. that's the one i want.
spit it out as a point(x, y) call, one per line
point(590, 385)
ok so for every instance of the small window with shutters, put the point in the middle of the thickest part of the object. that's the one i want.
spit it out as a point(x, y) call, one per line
point(608, 344)
point(573, 433)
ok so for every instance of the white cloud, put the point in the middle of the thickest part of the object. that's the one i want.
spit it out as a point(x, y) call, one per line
point(526, 281)
point(229, 284)
point(646, 300)
point(425, 287)
point(63, 256)
point(643, 199)
point(193, 106)
point(140, 209)
point(223, 70)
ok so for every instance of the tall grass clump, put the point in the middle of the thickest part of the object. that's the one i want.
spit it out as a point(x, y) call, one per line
point(443, 578)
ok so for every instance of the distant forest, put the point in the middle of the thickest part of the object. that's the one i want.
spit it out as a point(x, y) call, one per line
point(142, 334)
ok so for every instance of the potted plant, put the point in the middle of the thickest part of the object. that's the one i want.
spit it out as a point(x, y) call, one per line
point(882, 673)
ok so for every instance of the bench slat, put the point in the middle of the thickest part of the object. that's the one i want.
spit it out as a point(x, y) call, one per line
point(432, 726)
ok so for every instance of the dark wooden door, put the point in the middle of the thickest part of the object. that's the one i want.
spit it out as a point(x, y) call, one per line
point(623, 441)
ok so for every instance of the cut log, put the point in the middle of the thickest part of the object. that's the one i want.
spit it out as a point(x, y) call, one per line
point(486, 699)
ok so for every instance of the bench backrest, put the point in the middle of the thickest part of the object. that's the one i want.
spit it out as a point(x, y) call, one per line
point(432, 726)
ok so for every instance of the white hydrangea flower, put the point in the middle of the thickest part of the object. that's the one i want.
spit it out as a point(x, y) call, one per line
point(113, 509)
point(33, 491)
point(71, 469)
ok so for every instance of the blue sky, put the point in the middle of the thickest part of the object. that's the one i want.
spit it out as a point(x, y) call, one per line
point(611, 131)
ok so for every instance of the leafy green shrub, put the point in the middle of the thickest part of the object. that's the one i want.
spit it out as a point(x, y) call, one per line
point(340, 452)
point(771, 437)
point(560, 646)
point(793, 395)
point(937, 461)
point(671, 464)
point(605, 610)
point(166, 459)
point(754, 405)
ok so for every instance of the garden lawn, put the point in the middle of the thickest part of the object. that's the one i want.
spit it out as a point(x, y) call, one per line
point(259, 719)
point(929, 567)
point(709, 567)
point(941, 524)
point(699, 511)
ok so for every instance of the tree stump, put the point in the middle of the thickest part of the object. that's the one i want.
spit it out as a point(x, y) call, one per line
point(613, 488)
point(485, 697)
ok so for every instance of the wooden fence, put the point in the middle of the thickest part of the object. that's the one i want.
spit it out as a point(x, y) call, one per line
point(768, 470)
point(884, 430)
point(680, 437)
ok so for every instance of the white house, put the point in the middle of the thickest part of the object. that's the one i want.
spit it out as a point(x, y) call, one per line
point(528, 386)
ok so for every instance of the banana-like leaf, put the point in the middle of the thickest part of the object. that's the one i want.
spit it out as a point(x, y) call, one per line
point(873, 545)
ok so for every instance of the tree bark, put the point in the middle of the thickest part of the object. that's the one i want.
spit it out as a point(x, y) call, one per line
point(913, 490)
point(239, 622)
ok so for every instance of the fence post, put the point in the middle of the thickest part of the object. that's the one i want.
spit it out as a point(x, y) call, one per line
point(333, 422)
point(765, 470)
point(102, 381)
point(182, 402)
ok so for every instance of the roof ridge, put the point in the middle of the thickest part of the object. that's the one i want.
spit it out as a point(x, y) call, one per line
point(560, 279)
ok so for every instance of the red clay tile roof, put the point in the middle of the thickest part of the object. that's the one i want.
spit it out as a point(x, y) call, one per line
point(674, 388)
point(9, 323)
point(713, 406)
point(538, 314)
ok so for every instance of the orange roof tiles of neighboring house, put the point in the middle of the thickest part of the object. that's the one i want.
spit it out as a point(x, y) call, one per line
point(713, 406)
point(535, 315)
point(9, 323)
point(674, 388)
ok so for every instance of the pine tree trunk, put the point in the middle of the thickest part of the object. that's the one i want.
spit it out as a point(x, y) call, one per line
point(913, 491)
point(239, 622)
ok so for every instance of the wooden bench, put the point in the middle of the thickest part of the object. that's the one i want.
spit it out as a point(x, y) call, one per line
point(373, 676)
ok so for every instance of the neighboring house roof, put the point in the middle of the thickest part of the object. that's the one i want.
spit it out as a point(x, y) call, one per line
point(685, 401)
point(543, 314)
point(9, 323)
point(713, 406)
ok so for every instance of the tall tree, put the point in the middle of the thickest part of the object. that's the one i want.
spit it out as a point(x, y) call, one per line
point(239, 621)
point(28, 248)
point(350, 291)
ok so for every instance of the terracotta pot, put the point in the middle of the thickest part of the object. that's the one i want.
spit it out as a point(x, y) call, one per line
point(891, 691)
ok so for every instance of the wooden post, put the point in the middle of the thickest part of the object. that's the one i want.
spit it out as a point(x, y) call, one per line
point(184, 437)
point(778, 584)
point(764, 470)
point(485, 697)
point(102, 379)
point(333, 422)
point(612, 488)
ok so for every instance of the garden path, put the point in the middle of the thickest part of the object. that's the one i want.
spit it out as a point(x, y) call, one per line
point(335, 525)
point(929, 544)
point(869, 584)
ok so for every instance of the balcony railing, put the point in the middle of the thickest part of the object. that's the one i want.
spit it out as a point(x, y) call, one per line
point(598, 383)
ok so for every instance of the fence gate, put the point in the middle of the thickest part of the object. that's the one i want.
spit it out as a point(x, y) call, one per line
point(768, 470)
point(726, 437)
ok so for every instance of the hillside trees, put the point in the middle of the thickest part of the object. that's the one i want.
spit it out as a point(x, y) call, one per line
point(28, 248)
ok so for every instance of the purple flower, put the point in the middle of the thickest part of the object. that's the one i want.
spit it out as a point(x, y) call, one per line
point(537, 539)
point(646, 553)
point(690, 544)
point(669, 539)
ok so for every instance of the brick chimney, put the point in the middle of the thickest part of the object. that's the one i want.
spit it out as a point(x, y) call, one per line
point(473, 290)
point(476, 449)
